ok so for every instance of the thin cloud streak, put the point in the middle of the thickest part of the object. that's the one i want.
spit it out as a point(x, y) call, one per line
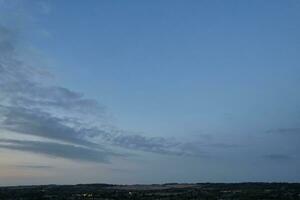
point(277, 157)
point(33, 166)
point(285, 131)
point(54, 149)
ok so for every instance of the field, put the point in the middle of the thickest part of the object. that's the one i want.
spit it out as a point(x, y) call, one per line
point(173, 191)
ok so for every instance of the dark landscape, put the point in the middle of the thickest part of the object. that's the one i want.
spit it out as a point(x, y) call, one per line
point(172, 191)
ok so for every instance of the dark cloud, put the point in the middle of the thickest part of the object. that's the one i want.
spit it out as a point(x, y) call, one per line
point(277, 157)
point(151, 144)
point(224, 145)
point(285, 131)
point(33, 166)
point(58, 150)
point(7, 41)
point(42, 124)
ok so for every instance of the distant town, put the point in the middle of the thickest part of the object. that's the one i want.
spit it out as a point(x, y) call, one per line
point(170, 191)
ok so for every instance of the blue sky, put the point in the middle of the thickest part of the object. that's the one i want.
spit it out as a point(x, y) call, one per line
point(139, 87)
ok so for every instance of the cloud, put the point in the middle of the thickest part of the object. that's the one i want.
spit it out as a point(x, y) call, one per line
point(224, 145)
point(33, 166)
point(44, 7)
point(31, 106)
point(277, 157)
point(154, 144)
point(285, 131)
point(42, 124)
point(58, 150)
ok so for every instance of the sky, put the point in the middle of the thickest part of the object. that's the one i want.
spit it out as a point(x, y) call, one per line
point(146, 92)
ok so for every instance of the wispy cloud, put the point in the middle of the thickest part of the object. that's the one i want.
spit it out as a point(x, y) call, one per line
point(38, 123)
point(44, 7)
point(58, 150)
point(30, 106)
point(33, 166)
point(285, 131)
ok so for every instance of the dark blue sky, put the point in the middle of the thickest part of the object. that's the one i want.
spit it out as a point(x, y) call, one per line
point(211, 87)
